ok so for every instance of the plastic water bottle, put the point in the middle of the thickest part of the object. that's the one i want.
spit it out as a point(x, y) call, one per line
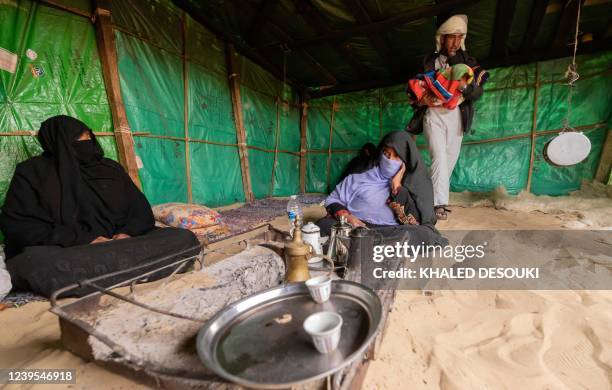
point(294, 209)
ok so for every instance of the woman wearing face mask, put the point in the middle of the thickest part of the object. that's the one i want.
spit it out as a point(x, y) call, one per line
point(71, 214)
point(397, 191)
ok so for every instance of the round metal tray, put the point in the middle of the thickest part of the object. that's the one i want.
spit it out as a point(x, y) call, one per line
point(248, 343)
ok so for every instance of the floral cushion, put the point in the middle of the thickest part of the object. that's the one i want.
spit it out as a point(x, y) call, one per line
point(186, 216)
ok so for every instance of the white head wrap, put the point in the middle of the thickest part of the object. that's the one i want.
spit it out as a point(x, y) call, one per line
point(456, 24)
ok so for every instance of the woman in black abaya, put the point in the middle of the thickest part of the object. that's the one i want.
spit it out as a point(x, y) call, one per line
point(71, 214)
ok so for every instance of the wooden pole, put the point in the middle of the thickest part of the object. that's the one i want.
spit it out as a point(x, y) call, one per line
point(64, 7)
point(380, 114)
point(276, 140)
point(303, 144)
point(605, 160)
point(186, 110)
point(534, 126)
point(108, 57)
point(234, 84)
point(329, 148)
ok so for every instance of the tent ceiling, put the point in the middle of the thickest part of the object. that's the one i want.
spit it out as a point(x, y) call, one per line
point(325, 47)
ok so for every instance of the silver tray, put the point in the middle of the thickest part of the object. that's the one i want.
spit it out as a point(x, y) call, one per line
point(244, 343)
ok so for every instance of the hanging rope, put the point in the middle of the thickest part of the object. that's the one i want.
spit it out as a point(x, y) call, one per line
point(571, 74)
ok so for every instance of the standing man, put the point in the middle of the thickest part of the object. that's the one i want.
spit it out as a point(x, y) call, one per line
point(444, 128)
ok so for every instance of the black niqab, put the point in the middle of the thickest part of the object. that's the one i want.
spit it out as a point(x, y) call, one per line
point(58, 137)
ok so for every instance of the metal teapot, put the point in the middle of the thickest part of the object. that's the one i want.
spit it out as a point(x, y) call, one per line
point(311, 234)
point(339, 242)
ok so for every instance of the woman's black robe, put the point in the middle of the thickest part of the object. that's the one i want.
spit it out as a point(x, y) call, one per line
point(59, 202)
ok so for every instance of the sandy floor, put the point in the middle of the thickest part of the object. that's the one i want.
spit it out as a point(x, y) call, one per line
point(497, 340)
point(449, 340)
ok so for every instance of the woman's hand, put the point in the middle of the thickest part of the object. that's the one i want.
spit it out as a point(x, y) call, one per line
point(99, 239)
point(396, 181)
point(354, 221)
point(120, 236)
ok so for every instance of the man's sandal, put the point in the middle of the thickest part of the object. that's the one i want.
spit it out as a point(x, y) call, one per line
point(441, 212)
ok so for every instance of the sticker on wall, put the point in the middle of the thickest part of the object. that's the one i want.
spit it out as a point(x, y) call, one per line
point(31, 54)
point(8, 60)
point(37, 71)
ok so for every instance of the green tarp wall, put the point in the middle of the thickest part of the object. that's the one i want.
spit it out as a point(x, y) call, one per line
point(497, 152)
point(151, 59)
point(63, 77)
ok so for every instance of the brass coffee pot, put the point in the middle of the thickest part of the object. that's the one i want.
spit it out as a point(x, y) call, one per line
point(297, 253)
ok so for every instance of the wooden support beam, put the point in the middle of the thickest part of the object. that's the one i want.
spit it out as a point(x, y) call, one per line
point(234, 84)
point(334, 108)
point(567, 24)
point(380, 43)
point(604, 167)
point(503, 22)
point(376, 27)
point(316, 20)
point(303, 144)
point(534, 127)
point(67, 8)
point(537, 15)
point(236, 42)
point(108, 56)
point(278, 104)
point(186, 108)
point(380, 114)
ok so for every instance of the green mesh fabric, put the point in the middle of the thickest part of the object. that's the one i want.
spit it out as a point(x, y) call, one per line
point(505, 111)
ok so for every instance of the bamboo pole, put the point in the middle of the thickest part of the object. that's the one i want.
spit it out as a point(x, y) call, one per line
point(63, 7)
point(329, 148)
point(534, 127)
point(314, 151)
point(108, 56)
point(239, 121)
point(303, 145)
point(380, 114)
point(605, 160)
point(147, 40)
point(276, 140)
point(203, 141)
point(186, 109)
point(34, 133)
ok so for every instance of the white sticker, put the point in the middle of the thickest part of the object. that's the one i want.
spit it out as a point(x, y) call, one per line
point(8, 60)
point(139, 163)
point(31, 54)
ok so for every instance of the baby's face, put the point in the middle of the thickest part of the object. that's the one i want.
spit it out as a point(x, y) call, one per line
point(462, 83)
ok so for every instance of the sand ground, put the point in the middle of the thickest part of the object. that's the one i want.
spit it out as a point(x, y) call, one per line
point(497, 340)
point(449, 340)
